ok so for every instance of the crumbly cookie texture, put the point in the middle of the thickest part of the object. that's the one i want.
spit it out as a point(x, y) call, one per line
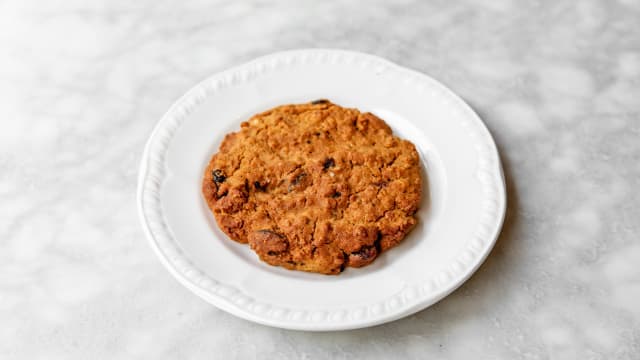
point(314, 187)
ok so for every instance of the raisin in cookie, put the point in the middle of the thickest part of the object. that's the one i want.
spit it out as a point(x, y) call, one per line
point(314, 187)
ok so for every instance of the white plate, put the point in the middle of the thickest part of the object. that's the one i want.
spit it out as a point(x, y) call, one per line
point(459, 218)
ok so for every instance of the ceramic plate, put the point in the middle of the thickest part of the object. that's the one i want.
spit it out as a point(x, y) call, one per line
point(459, 219)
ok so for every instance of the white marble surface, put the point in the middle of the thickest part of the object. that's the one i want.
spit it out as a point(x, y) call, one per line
point(82, 84)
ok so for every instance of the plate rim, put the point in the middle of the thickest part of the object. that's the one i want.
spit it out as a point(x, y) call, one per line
point(218, 294)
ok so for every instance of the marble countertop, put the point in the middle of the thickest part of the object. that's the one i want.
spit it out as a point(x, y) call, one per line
point(83, 83)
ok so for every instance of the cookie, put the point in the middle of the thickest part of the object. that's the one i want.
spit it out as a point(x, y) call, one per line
point(314, 187)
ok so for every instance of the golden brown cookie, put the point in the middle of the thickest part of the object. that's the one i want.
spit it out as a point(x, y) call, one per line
point(314, 187)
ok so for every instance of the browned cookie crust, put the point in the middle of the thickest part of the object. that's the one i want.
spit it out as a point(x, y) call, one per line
point(314, 187)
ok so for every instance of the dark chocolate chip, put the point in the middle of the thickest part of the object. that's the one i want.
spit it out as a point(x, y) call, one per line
point(336, 194)
point(218, 176)
point(328, 163)
point(366, 253)
point(376, 243)
point(259, 186)
point(345, 258)
point(299, 178)
point(319, 101)
point(298, 182)
point(362, 257)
